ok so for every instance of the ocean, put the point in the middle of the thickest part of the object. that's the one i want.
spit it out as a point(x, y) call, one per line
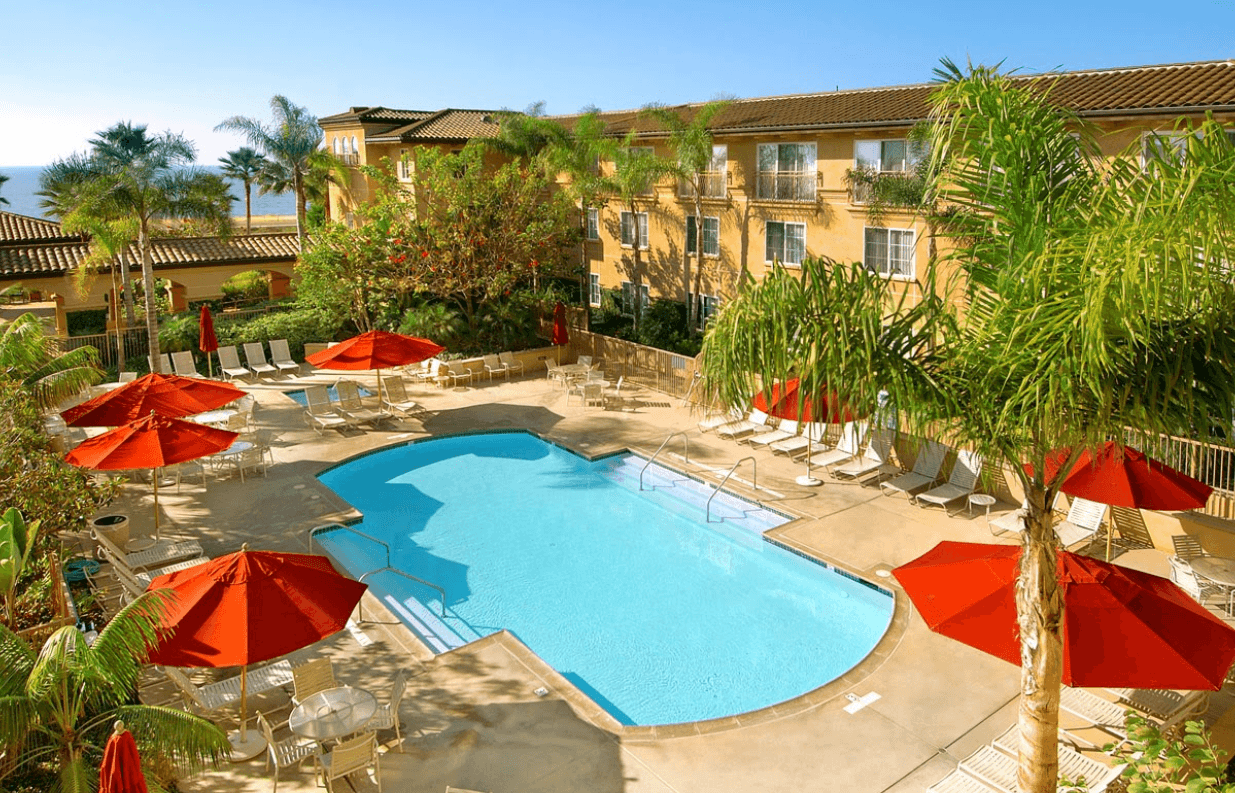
point(23, 183)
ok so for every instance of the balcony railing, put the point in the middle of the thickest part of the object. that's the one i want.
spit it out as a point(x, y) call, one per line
point(787, 186)
point(715, 185)
point(350, 158)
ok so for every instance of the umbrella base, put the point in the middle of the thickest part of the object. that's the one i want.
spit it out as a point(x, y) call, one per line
point(808, 481)
point(140, 544)
point(253, 745)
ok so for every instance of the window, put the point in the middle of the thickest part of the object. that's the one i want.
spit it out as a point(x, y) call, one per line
point(355, 148)
point(711, 236)
point(1162, 146)
point(890, 252)
point(628, 298)
point(713, 178)
point(593, 223)
point(636, 152)
point(628, 230)
point(406, 168)
point(786, 242)
point(336, 147)
point(593, 280)
point(786, 171)
point(705, 309)
point(894, 155)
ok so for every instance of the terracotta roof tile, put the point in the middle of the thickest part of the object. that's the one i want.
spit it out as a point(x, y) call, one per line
point(16, 229)
point(445, 125)
point(368, 115)
point(44, 260)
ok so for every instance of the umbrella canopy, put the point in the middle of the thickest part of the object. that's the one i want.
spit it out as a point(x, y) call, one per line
point(787, 397)
point(165, 394)
point(376, 349)
point(121, 770)
point(1124, 477)
point(207, 342)
point(1121, 627)
point(560, 334)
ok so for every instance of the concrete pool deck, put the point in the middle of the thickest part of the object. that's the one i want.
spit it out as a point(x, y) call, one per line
point(471, 717)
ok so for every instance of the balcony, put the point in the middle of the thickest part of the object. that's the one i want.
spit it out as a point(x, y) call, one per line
point(715, 185)
point(350, 158)
point(786, 186)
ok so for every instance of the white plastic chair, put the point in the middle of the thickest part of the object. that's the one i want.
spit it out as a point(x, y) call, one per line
point(229, 362)
point(289, 752)
point(255, 357)
point(925, 471)
point(281, 356)
point(962, 482)
point(350, 756)
point(1083, 524)
point(386, 717)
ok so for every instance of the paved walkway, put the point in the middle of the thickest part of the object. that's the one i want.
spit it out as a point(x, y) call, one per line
point(472, 718)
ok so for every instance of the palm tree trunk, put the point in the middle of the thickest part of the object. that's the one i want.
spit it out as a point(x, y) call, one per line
point(152, 316)
point(585, 269)
point(298, 185)
point(1039, 606)
point(126, 285)
point(115, 307)
point(248, 207)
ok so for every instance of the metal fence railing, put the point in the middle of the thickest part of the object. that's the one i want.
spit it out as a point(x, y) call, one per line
point(1211, 464)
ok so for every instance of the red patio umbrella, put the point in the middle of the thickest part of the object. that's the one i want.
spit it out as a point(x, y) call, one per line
point(784, 402)
point(561, 335)
point(166, 394)
point(376, 349)
point(151, 442)
point(252, 606)
point(1124, 477)
point(121, 770)
point(207, 342)
point(1121, 627)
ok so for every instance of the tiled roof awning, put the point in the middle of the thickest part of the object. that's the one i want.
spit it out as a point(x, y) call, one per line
point(18, 229)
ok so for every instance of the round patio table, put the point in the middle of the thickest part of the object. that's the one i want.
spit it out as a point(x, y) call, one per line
point(333, 713)
point(1218, 569)
point(213, 417)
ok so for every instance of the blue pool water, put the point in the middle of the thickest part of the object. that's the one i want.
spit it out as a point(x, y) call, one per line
point(657, 615)
point(299, 396)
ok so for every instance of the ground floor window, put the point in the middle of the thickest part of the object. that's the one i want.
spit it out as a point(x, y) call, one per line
point(705, 309)
point(890, 252)
point(628, 298)
point(786, 242)
point(711, 236)
point(593, 223)
point(594, 288)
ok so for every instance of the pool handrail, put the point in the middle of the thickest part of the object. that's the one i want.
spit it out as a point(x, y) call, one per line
point(685, 453)
point(353, 530)
point(754, 481)
point(409, 576)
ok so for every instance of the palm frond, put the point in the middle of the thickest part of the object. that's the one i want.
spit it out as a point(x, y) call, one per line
point(190, 741)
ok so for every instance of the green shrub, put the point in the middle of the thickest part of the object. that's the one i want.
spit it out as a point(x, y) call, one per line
point(297, 326)
point(178, 332)
point(435, 321)
point(251, 286)
point(87, 323)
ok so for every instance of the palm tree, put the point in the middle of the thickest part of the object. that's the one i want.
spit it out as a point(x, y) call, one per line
point(322, 169)
point(60, 703)
point(287, 143)
point(1091, 296)
point(3, 178)
point(131, 174)
point(108, 241)
point(691, 143)
point(244, 164)
point(31, 357)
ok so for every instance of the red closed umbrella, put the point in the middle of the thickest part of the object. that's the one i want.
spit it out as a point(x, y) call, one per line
point(249, 607)
point(376, 349)
point(206, 340)
point(121, 770)
point(166, 394)
point(561, 335)
point(151, 442)
point(787, 401)
point(1121, 627)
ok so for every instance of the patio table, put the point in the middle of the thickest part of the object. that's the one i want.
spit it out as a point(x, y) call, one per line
point(333, 713)
point(213, 417)
point(1218, 569)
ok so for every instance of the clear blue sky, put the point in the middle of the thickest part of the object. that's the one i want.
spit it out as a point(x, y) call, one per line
point(72, 68)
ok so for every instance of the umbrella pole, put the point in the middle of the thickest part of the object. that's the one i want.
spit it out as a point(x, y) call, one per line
point(157, 534)
point(807, 480)
point(1108, 542)
point(244, 693)
point(209, 365)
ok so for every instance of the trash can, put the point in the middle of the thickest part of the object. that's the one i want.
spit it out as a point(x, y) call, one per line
point(114, 527)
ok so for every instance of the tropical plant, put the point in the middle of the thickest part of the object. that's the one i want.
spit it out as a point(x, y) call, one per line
point(129, 174)
point(1156, 762)
point(1090, 297)
point(288, 142)
point(436, 321)
point(17, 540)
point(3, 178)
point(245, 165)
point(58, 705)
point(108, 241)
point(693, 158)
point(32, 358)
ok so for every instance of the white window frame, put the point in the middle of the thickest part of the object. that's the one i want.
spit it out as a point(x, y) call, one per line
point(626, 225)
point(884, 267)
point(777, 184)
point(594, 293)
point(692, 249)
point(715, 178)
point(706, 307)
point(593, 223)
point(913, 154)
point(784, 247)
point(337, 148)
point(628, 288)
point(405, 166)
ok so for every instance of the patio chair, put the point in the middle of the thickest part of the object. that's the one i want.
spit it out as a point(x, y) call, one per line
point(319, 413)
point(164, 552)
point(1083, 524)
point(351, 406)
point(262, 440)
point(998, 769)
point(962, 481)
point(1198, 588)
point(513, 364)
point(281, 356)
point(589, 392)
point(1187, 547)
point(812, 432)
point(1094, 711)
point(875, 458)
point(584, 360)
point(755, 420)
point(394, 398)
point(553, 370)
point(350, 756)
point(186, 470)
point(290, 752)
point(847, 448)
point(183, 365)
point(165, 359)
point(214, 697)
point(714, 420)
point(787, 428)
point(251, 459)
point(1013, 520)
point(447, 372)
point(229, 362)
point(1130, 526)
point(1097, 775)
point(493, 365)
point(1165, 706)
point(255, 357)
point(959, 782)
point(386, 717)
point(126, 377)
point(312, 677)
point(924, 474)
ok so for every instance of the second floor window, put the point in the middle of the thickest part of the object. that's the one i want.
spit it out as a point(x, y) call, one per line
point(786, 243)
point(890, 252)
point(629, 231)
point(405, 166)
point(593, 223)
point(786, 171)
point(711, 236)
point(714, 179)
point(887, 156)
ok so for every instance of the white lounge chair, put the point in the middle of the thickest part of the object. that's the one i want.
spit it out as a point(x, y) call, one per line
point(164, 552)
point(229, 362)
point(1165, 706)
point(962, 482)
point(165, 359)
point(513, 364)
point(998, 769)
point(255, 357)
point(281, 356)
point(216, 696)
point(876, 458)
point(734, 430)
point(787, 428)
point(493, 365)
point(183, 366)
point(1198, 588)
point(1009, 742)
point(959, 782)
point(925, 471)
point(812, 432)
point(394, 398)
point(351, 406)
point(126, 377)
point(714, 420)
point(1083, 524)
point(1094, 711)
point(847, 448)
point(319, 413)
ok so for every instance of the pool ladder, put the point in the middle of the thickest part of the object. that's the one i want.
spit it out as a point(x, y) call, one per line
point(387, 568)
point(754, 481)
point(685, 454)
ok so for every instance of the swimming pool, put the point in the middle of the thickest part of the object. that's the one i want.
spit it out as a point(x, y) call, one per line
point(657, 615)
point(298, 394)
